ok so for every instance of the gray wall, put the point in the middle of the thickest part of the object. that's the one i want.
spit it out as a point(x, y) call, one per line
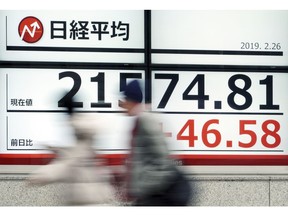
point(208, 190)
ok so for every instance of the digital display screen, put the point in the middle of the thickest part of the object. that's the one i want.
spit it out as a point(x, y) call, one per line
point(215, 79)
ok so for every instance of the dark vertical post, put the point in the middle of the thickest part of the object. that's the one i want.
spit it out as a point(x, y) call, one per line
point(147, 60)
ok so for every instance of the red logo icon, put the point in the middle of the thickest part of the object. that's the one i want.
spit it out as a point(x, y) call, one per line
point(30, 29)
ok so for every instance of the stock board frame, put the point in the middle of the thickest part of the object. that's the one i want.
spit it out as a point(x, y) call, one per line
point(148, 66)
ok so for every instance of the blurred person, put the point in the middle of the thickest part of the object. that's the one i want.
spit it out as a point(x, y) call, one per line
point(152, 179)
point(87, 179)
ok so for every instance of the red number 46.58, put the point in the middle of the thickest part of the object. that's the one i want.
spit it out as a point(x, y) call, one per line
point(189, 130)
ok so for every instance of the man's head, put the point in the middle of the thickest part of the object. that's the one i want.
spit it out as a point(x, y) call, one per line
point(133, 92)
point(133, 96)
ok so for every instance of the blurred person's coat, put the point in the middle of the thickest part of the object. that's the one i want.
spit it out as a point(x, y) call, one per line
point(152, 172)
point(87, 180)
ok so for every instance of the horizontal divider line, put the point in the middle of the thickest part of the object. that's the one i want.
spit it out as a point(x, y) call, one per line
point(217, 52)
point(142, 66)
point(142, 50)
point(63, 111)
point(74, 49)
point(56, 147)
point(114, 150)
point(102, 111)
point(73, 65)
point(219, 113)
point(215, 150)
